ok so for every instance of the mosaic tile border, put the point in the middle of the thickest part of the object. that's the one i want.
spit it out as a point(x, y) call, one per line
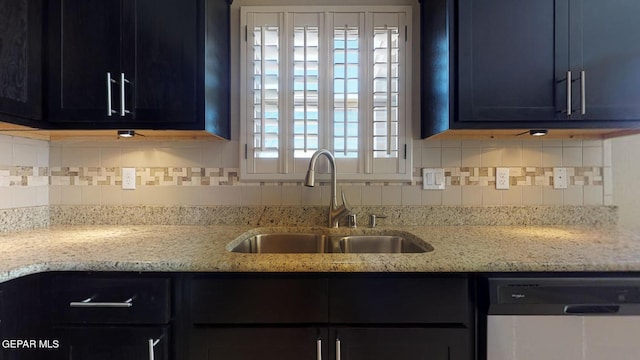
point(27, 176)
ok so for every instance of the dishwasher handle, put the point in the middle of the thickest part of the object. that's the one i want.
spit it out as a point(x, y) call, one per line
point(591, 309)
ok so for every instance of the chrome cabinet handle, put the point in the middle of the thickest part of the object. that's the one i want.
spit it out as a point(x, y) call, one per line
point(583, 93)
point(152, 344)
point(319, 349)
point(87, 303)
point(110, 81)
point(123, 109)
point(337, 348)
point(569, 80)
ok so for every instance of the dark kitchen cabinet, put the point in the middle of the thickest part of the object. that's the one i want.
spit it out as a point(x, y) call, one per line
point(21, 61)
point(129, 343)
point(556, 64)
point(98, 316)
point(360, 317)
point(21, 320)
point(139, 64)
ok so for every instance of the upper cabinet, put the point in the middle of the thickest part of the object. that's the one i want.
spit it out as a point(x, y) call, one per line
point(139, 64)
point(555, 64)
point(21, 61)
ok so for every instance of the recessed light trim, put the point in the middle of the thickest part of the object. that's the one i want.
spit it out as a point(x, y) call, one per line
point(538, 132)
point(126, 133)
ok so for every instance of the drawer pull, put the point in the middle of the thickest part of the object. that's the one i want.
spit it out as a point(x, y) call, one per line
point(152, 344)
point(337, 348)
point(319, 349)
point(87, 303)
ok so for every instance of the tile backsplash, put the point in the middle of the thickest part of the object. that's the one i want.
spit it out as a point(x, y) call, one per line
point(75, 172)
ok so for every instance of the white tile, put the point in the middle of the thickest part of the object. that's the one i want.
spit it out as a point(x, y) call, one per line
point(23, 196)
point(6, 153)
point(311, 196)
point(70, 195)
point(111, 157)
point(491, 157)
point(532, 195)
point(5, 198)
point(551, 156)
point(55, 156)
point(573, 195)
point(112, 195)
point(451, 157)
point(430, 143)
point(491, 196)
point(571, 156)
point(210, 195)
point(512, 156)
point(271, 195)
point(451, 143)
point(532, 157)
point(251, 195)
point(551, 196)
point(471, 157)
point(592, 156)
point(512, 196)
point(43, 156)
point(91, 195)
point(54, 195)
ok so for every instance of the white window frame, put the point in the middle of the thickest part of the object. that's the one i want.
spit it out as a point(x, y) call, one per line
point(287, 168)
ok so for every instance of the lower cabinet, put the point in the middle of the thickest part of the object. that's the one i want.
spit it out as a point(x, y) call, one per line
point(330, 317)
point(123, 343)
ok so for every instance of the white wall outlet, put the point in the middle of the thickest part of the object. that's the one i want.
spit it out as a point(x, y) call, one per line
point(502, 178)
point(560, 178)
point(128, 178)
point(433, 179)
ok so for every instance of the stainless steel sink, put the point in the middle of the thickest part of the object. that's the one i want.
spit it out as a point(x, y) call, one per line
point(291, 243)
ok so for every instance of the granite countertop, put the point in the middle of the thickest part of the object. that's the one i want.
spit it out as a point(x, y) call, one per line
point(186, 248)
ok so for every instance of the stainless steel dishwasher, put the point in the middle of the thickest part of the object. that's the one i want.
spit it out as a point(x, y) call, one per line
point(563, 318)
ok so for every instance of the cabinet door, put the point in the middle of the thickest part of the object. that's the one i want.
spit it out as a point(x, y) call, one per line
point(84, 44)
point(160, 52)
point(512, 62)
point(20, 61)
point(21, 318)
point(402, 344)
point(605, 40)
point(258, 343)
point(113, 343)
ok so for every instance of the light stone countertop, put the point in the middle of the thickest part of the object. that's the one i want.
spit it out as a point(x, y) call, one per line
point(182, 248)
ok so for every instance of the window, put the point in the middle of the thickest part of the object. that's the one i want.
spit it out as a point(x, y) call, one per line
point(326, 77)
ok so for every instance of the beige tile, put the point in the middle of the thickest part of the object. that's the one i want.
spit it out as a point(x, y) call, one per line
point(451, 143)
point(43, 156)
point(311, 196)
point(353, 194)
point(471, 157)
point(512, 196)
point(55, 196)
point(451, 157)
point(416, 161)
point(391, 195)
point(551, 196)
point(571, 143)
point(430, 143)
point(251, 195)
point(470, 144)
point(188, 195)
point(432, 157)
point(230, 154)
point(5, 197)
point(592, 143)
point(178, 157)
point(607, 152)
point(70, 156)
point(593, 195)
point(532, 195)
point(6, 153)
point(531, 157)
point(552, 156)
point(91, 157)
point(532, 142)
point(571, 156)
point(55, 156)
point(372, 195)
point(452, 196)
point(491, 157)
point(71, 195)
point(592, 156)
point(25, 155)
point(512, 156)
point(209, 195)
point(411, 195)
point(91, 195)
point(210, 153)
point(432, 197)
point(230, 195)
point(111, 157)
point(472, 195)
point(491, 196)
point(271, 195)
point(573, 195)
point(112, 195)
point(291, 195)
point(547, 143)
point(132, 157)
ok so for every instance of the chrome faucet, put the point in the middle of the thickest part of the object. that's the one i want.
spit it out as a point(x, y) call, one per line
point(335, 212)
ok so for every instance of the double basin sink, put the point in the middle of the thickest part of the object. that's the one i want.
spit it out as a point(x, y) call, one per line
point(319, 242)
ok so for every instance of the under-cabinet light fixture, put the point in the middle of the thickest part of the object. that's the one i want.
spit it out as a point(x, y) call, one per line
point(126, 133)
point(538, 132)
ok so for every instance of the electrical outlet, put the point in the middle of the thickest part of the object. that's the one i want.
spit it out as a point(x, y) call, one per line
point(560, 178)
point(433, 179)
point(128, 178)
point(502, 178)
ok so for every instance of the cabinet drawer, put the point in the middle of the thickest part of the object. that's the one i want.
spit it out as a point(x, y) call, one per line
point(386, 300)
point(110, 300)
point(241, 300)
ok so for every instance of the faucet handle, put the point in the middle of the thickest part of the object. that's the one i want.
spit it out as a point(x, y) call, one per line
point(344, 202)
